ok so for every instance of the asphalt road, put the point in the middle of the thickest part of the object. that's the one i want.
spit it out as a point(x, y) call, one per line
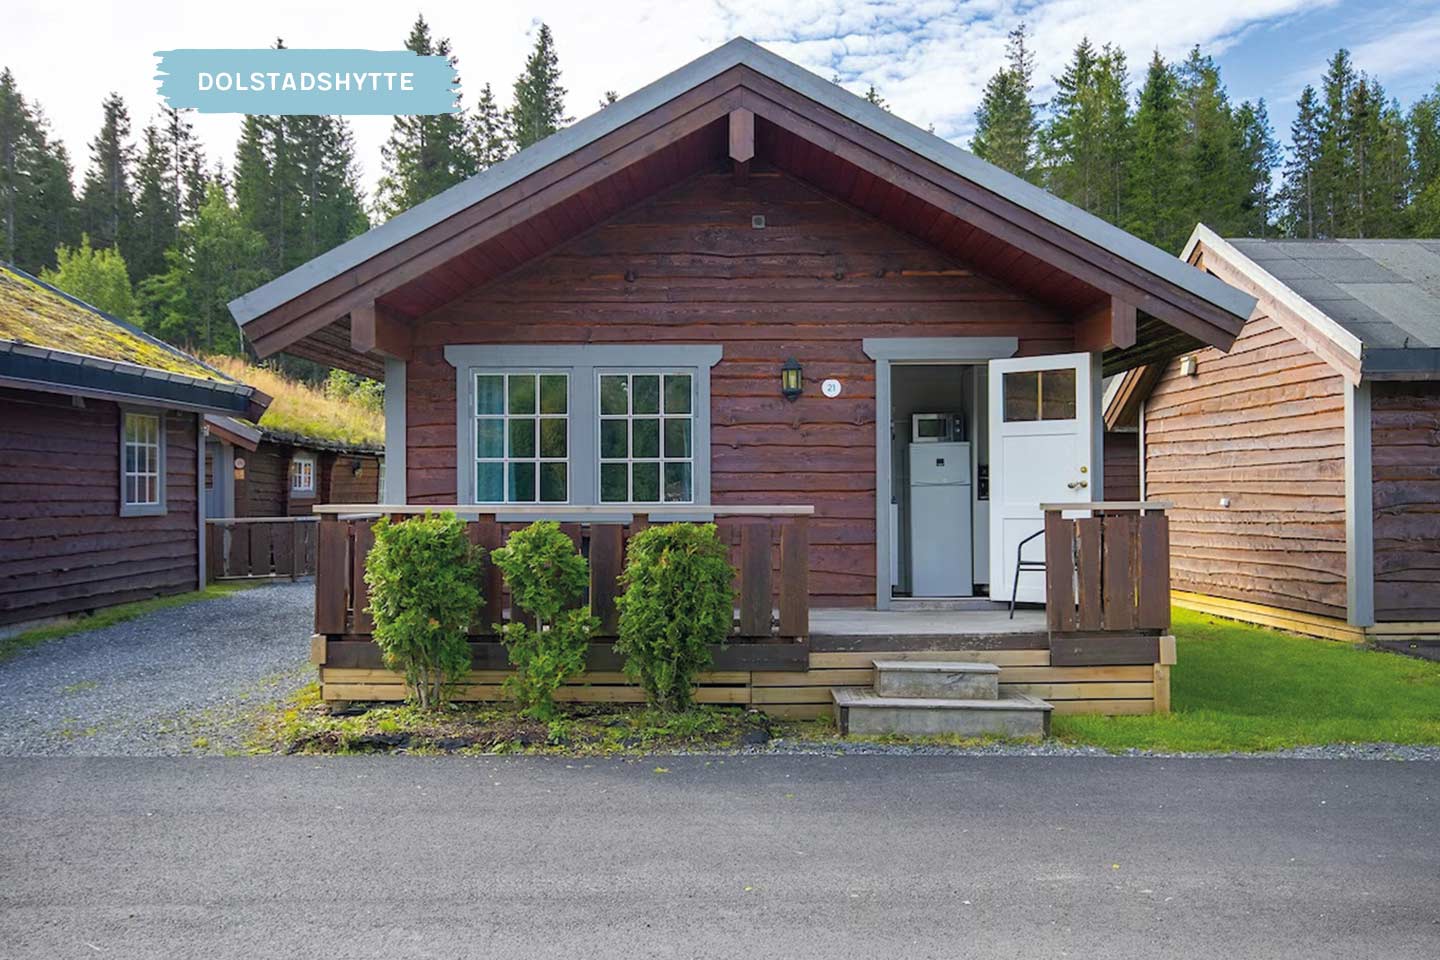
point(774, 856)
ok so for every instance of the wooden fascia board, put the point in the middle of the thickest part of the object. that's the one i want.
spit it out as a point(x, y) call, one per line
point(328, 301)
point(993, 214)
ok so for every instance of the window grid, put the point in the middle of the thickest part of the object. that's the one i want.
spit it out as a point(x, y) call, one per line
point(530, 466)
point(142, 460)
point(302, 474)
point(670, 475)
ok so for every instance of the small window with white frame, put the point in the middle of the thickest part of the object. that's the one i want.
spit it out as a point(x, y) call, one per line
point(647, 437)
point(302, 474)
point(142, 480)
point(522, 437)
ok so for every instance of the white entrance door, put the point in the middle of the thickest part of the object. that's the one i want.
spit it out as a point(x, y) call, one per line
point(1041, 418)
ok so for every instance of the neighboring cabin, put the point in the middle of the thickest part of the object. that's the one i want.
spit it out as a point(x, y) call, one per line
point(100, 475)
point(310, 448)
point(1304, 465)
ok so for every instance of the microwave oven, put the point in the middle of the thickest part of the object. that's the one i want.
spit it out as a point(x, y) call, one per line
point(932, 427)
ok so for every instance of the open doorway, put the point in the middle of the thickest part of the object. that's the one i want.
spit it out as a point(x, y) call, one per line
point(939, 489)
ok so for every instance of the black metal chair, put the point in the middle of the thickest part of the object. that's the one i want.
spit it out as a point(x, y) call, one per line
point(1021, 564)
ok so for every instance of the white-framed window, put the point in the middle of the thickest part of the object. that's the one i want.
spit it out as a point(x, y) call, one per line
point(522, 437)
point(647, 436)
point(302, 474)
point(142, 463)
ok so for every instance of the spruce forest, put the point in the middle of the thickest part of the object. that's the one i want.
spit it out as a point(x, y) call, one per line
point(164, 236)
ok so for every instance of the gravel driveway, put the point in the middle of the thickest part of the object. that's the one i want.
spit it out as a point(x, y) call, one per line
point(182, 680)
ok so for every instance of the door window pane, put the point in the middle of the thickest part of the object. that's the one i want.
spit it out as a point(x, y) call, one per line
point(1057, 394)
point(1021, 396)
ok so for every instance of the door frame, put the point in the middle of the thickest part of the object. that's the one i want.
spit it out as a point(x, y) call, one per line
point(886, 351)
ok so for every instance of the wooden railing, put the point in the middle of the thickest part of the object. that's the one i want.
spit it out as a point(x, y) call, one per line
point(247, 548)
point(770, 550)
point(1108, 572)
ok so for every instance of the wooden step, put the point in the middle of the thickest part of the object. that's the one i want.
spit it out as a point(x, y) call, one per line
point(937, 679)
point(860, 711)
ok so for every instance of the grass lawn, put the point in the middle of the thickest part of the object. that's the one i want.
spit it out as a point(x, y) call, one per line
point(13, 646)
point(1238, 687)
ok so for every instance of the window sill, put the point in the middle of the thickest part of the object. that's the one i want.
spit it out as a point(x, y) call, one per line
point(142, 510)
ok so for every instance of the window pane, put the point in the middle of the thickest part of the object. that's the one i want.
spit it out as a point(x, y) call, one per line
point(552, 482)
point(677, 437)
point(522, 483)
point(152, 489)
point(646, 438)
point(132, 455)
point(677, 482)
point(613, 395)
point(612, 482)
point(490, 438)
point(647, 482)
point(552, 437)
point(489, 482)
point(553, 393)
point(647, 393)
point(489, 394)
point(131, 489)
point(677, 393)
point(522, 437)
point(1022, 400)
point(613, 442)
point(522, 393)
point(1057, 395)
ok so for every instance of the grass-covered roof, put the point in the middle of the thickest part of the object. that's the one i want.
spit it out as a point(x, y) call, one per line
point(300, 411)
point(38, 315)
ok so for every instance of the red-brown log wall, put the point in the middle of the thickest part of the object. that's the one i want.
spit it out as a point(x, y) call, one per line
point(63, 545)
point(816, 281)
point(1122, 465)
point(1263, 425)
point(1405, 466)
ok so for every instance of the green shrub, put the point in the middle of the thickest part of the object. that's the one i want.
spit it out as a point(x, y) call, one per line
point(678, 599)
point(547, 578)
point(424, 593)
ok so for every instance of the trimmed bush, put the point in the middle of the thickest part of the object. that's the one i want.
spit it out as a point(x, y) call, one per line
point(424, 593)
point(678, 599)
point(547, 578)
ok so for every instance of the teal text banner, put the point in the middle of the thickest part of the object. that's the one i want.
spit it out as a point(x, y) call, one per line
point(307, 81)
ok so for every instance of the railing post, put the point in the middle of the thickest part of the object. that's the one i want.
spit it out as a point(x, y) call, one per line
point(332, 575)
point(795, 578)
point(755, 590)
point(1059, 571)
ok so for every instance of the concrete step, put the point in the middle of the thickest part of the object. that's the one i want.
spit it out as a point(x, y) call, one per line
point(937, 679)
point(861, 711)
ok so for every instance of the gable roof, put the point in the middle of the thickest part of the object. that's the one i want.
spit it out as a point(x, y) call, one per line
point(51, 340)
point(435, 235)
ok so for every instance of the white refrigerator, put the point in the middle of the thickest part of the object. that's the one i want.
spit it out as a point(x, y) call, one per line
point(941, 557)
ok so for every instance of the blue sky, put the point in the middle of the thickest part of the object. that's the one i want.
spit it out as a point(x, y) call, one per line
point(929, 58)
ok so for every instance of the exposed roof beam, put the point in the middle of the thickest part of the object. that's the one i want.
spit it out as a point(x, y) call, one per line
point(374, 328)
point(1110, 324)
point(742, 141)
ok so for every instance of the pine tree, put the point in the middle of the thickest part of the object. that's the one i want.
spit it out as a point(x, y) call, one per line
point(1301, 170)
point(187, 166)
point(1206, 177)
point(425, 154)
point(488, 141)
point(1334, 167)
point(1258, 155)
point(1154, 210)
point(539, 106)
point(99, 277)
point(873, 96)
point(331, 209)
point(1084, 144)
point(37, 200)
point(156, 216)
point(1005, 125)
point(106, 205)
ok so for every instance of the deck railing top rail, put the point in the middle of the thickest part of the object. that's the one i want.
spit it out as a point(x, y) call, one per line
point(1110, 506)
point(565, 511)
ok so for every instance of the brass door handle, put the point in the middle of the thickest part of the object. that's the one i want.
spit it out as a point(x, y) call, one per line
point(1077, 484)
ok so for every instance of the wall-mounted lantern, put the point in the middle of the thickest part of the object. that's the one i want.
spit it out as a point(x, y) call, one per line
point(791, 379)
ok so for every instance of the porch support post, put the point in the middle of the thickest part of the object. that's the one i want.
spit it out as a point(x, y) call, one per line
point(395, 432)
point(1359, 509)
point(1109, 324)
point(374, 328)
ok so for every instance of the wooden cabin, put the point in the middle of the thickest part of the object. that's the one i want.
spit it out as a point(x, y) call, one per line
point(742, 293)
point(1304, 464)
point(100, 476)
point(262, 472)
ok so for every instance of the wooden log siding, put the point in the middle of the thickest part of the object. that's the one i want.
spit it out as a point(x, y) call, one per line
point(818, 279)
point(1263, 425)
point(257, 548)
point(63, 546)
point(1405, 468)
point(1122, 465)
point(341, 594)
point(1106, 573)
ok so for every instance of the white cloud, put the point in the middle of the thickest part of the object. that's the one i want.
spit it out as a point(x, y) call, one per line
point(929, 58)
